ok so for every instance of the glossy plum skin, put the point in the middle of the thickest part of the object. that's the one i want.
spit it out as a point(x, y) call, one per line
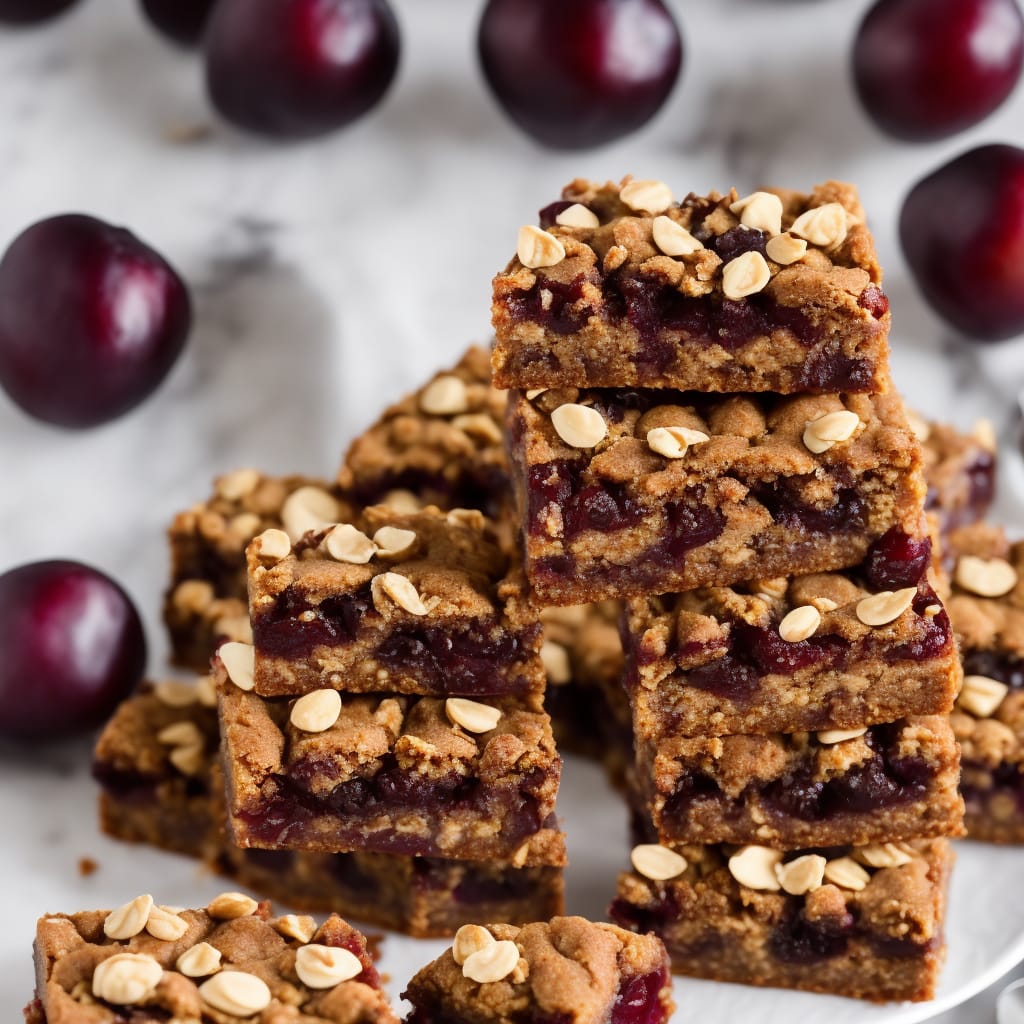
point(299, 68)
point(91, 320)
point(926, 69)
point(579, 73)
point(32, 12)
point(962, 230)
point(73, 648)
point(182, 21)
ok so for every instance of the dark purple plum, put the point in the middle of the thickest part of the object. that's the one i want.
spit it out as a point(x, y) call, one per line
point(962, 230)
point(182, 21)
point(299, 68)
point(73, 647)
point(32, 12)
point(91, 320)
point(575, 74)
point(926, 69)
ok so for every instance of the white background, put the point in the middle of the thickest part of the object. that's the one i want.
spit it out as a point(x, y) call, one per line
point(331, 277)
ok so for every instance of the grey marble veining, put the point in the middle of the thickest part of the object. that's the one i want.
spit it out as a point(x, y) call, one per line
point(329, 277)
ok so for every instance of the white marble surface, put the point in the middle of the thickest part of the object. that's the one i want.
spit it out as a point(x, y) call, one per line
point(329, 277)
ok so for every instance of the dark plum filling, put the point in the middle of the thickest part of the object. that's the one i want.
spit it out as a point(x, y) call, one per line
point(471, 659)
point(981, 482)
point(1006, 778)
point(1004, 667)
point(502, 887)
point(555, 304)
point(897, 560)
point(797, 940)
point(934, 637)
point(135, 787)
point(847, 514)
point(737, 241)
point(549, 214)
point(639, 999)
point(874, 300)
point(883, 780)
point(282, 818)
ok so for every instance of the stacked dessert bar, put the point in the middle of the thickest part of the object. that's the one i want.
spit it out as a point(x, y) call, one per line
point(702, 427)
point(391, 759)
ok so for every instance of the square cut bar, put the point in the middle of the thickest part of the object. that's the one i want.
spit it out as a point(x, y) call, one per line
point(987, 612)
point(153, 763)
point(959, 469)
point(393, 774)
point(440, 445)
point(617, 303)
point(249, 965)
point(148, 798)
point(441, 610)
point(877, 936)
point(568, 970)
point(726, 659)
point(752, 501)
point(888, 782)
point(207, 599)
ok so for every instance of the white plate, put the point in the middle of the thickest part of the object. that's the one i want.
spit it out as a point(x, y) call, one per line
point(47, 802)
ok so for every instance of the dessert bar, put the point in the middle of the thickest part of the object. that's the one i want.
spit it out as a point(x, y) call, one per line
point(441, 445)
point(822, 651)
point(885, 782)
point(959, 469)
point(987, 612)
point(568, 970)
point(864, 922)
point(207, 602)
point(425, 897)
point(148, 963)
point(393, 774)
point(185, 813)
point(152, 762)
point(623, 286)
point(425, 602)
point(633, 492)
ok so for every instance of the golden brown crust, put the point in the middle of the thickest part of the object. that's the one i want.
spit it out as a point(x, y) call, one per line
point(755, 446)
point(570, 969)
point(268, 761)
point(443, 458)
point(828, 287)
point(70, 947)
point(865, 680)
point(464, 577)
point(734, 778)
point(716, 928)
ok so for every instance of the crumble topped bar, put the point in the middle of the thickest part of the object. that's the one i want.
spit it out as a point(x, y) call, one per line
point(822, 651)
point(790, 790)
point(152, 762)
point(987, 612)
point(656, 491)
point(441, 445)
point(206, 602)
point(157, 789)
point(231, 960)
point(391, 773)
point(959, 469)
point(570, 970)
point(622, 286)
point(426, 602)
point(864, 922)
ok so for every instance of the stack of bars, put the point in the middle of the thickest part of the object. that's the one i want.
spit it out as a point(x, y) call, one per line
point(372, 738)
point(702, 427)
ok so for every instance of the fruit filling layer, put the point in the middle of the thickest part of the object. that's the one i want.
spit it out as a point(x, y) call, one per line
point(886, 778)
point(470, 657)
point(295, 813)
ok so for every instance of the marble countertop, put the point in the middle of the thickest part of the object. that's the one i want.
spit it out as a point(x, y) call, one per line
point(332, 276)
